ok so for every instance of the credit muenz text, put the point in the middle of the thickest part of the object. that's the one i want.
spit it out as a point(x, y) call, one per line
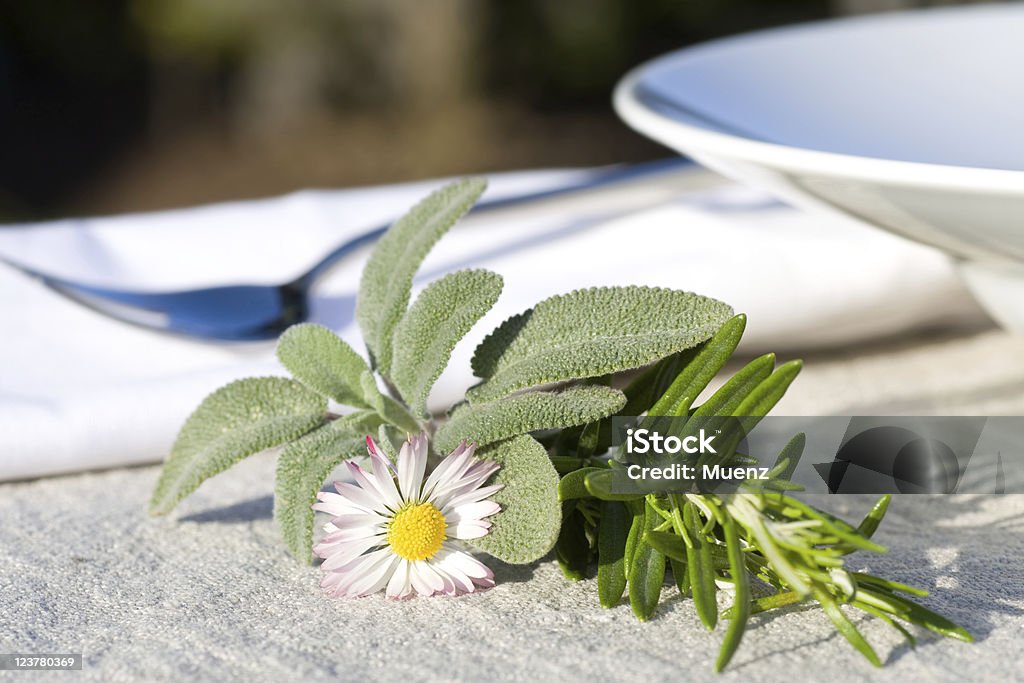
point(689, 472)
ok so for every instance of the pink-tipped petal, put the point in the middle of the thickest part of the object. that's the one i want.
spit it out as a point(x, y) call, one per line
point(412, 462)
point(343, 553)
point(360, 497)
point(370, 482)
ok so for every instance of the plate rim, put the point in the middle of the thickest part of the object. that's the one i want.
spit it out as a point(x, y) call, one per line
point(628, 102)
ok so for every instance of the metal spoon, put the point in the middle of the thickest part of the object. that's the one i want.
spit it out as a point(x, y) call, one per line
point(246, 312)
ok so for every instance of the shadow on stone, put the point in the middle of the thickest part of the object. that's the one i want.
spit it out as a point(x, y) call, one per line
point(245, 511)
point(508, 573)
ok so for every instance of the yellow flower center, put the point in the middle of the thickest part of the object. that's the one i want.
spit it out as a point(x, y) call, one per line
point(417, 531)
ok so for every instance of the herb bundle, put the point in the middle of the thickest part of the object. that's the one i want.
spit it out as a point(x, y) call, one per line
point(543, 411)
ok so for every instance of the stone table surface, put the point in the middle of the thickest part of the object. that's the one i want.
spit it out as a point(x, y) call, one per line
point(210, 594)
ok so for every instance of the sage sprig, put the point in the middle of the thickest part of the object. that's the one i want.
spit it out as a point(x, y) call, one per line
point(564, 339)
point(552, 379)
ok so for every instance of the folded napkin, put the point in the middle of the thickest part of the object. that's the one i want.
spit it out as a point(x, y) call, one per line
point(81, 391)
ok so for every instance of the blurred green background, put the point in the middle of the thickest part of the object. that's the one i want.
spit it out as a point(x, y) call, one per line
point(122, 105)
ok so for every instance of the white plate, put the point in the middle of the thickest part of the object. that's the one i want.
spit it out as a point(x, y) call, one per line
point(913, 122)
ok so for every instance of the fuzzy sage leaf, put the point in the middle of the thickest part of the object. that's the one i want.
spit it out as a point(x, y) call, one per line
point(302, 468)
point(425, 336)
point(531, 516)
point(592, 332)
point(489, 422)
point(232, 423)
point(323, 362)
point(387, 277)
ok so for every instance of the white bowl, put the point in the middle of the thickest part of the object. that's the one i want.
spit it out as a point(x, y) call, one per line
point(913, 122)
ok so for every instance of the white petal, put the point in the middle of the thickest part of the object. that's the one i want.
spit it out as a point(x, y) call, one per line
point(385, 477)
point(471, 497)
point(361, 497)
point(376, 453)
point(367, 571)
point(337, 582)
point(448, 468)
point(429, 576)
point(360, 519)
point(442, 562)
point(468, 530)
point(472, 511)
point(443, 494)
point(376, 574)
point(448, 586)
point(371, 483)
point(353, 534)
point(412, 462)
point(338, 556)
point(470, 566)
point(334, 504)
point(399, 586)
point(418, 581)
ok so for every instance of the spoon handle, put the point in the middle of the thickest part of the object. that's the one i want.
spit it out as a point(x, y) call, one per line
point(600, 179)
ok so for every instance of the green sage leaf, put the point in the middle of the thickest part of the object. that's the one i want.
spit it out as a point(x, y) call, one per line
point(323, 362)
point(425, 336)
point(592, 332)
point(387, 277)
point(302, 468)
point(232, 423)
point(531, 515)
point(486, 423)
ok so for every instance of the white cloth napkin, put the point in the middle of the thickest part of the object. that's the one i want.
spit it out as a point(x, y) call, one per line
point(81, 391)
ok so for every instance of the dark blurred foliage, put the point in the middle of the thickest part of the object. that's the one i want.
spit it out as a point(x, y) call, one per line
point(567, 53)
point(118, 105)
point(73, 92)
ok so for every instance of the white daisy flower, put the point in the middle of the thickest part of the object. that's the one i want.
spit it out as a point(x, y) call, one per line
point(400, 538)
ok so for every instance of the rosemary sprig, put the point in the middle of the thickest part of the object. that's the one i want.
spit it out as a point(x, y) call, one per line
point(761, 533)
